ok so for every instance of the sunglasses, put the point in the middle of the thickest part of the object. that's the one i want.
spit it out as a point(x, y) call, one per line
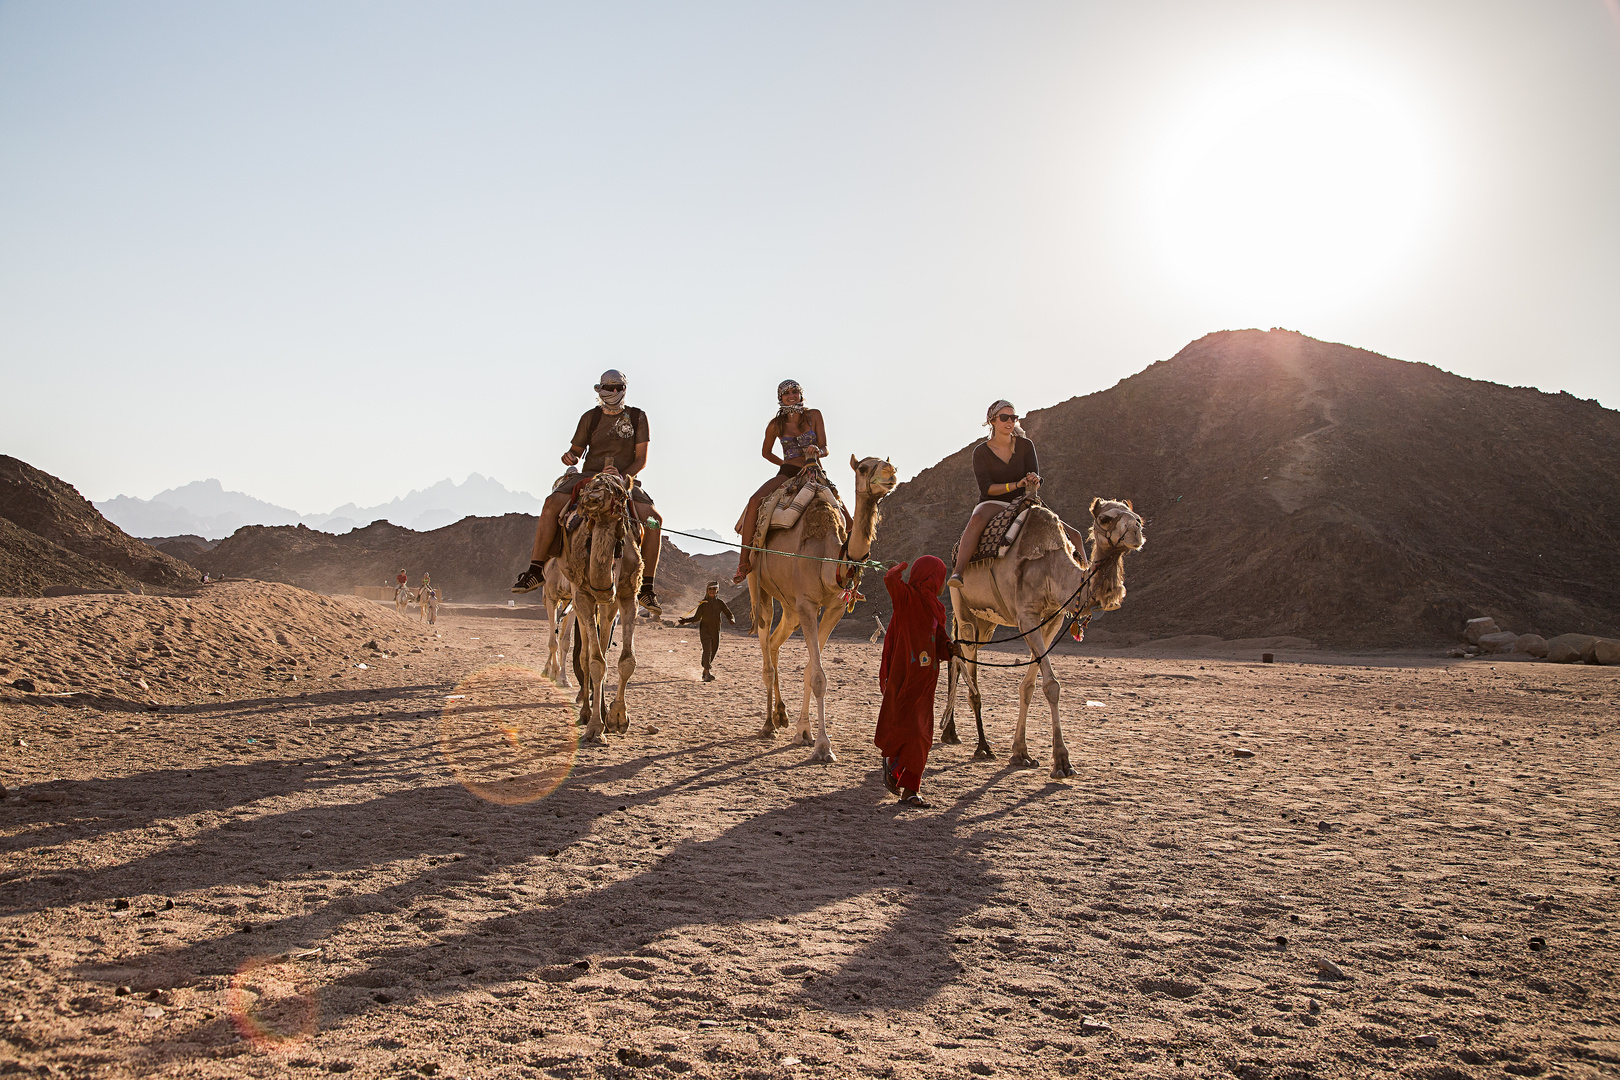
point(1006, 418)
point(610, 387)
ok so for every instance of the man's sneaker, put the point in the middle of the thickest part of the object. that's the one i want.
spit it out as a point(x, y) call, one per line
point(531, 579)
point(647, 600)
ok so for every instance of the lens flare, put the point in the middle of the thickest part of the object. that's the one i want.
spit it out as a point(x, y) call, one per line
point(508, 734)
point(272, 1003)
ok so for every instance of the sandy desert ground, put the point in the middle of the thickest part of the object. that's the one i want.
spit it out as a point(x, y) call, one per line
point(215, 869)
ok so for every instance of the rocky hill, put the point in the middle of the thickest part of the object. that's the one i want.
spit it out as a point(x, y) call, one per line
point(476, 559)
point(1297, 487)
point(52, 536)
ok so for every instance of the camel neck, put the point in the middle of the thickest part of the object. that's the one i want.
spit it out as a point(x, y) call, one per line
point(865, 524)
point(1107, 578)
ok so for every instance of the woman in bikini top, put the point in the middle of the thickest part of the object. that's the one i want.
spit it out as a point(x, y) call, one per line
point(803, 438)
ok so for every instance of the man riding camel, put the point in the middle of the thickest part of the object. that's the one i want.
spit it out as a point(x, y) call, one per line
point(612, 432)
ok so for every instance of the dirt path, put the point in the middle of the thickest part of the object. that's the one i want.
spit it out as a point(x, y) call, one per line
point(296, 877)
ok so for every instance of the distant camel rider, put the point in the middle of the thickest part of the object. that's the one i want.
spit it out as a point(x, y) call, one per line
point(612, 430)
point(403, 578)
point(803, 435)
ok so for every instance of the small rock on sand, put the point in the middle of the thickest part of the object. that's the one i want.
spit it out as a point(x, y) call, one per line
point(1428, 1040)
point(1328, 969)
point(1092, 1026)
point(1242, 753)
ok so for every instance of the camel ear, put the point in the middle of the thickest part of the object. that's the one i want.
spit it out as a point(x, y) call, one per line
point(1094, 504)
point(1128, 505)
point(856, 465)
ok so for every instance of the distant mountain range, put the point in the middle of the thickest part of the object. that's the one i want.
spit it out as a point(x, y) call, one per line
point(204, 508)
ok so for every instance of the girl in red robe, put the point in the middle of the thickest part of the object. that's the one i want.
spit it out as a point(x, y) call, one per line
point(914, 646)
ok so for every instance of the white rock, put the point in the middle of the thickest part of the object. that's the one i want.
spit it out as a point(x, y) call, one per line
point(1478, 628)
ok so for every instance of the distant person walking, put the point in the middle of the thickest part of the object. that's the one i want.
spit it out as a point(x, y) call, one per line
point(914, 646)
point(708, 615)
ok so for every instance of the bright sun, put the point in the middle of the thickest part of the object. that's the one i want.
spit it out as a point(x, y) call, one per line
point(1292, 185)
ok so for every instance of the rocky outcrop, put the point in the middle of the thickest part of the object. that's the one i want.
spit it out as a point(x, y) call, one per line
point(1531, 645)
point(55, 512)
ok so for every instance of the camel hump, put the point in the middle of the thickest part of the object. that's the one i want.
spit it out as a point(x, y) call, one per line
point(1025, 513)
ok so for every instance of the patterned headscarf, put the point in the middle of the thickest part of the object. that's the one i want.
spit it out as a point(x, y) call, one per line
point(783, 387)
point(990, 418)
point(612, 400)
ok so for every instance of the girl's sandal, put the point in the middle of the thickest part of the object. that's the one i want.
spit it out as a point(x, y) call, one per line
point(888, 778)
point(916, 801)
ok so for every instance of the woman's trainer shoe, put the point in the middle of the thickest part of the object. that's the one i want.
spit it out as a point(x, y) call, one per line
point(531, 579)
point(647, 600)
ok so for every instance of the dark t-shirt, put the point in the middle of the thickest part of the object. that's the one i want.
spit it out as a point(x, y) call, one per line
point(709, 613)
point(615, 436)
point(989, 470)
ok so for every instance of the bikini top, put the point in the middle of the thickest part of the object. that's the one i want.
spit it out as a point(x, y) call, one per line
point(794, 446)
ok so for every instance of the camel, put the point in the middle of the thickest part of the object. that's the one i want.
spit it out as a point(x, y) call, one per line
point(602, 559)
point(559, 600)
point(811, 594)
point(402, 599)
point(1033, 587)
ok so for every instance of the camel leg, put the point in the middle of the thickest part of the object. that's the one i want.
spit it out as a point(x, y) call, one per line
point(595, 638)
point(981, 752)
point(1026, 690)
point(815, 681)
point(763, 607)
point(1049, 685)
point(784, 630)
point(618, 720)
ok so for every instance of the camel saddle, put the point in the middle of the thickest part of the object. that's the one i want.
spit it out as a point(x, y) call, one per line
point(782, 508)
point(999, 534)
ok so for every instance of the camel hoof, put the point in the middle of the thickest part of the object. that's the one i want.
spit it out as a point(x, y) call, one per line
point(823, 756)
point(983, 753)
point(948, 736)
point(593, 738)
point(1023, 761)
point(1061, 770)
point(803, 738)
point(767, 732)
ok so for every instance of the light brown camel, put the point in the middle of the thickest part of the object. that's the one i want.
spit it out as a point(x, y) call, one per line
point(810, 594)
point(402, 599)
point(559, 598)
point(602, 558)
point(1032, 588)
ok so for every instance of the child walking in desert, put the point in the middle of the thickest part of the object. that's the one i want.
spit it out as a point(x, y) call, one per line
point(914, 646)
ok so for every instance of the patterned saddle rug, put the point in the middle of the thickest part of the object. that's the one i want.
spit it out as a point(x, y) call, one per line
point(998, 536)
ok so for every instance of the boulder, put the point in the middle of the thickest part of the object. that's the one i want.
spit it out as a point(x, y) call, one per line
point(1534, 644)
point(1500, 642)
point(1478, 628)
point(1606, 651)
point(1570, 648)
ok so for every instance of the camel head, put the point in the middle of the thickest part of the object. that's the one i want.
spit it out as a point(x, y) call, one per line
point(1116, 525)
point(873, 475)
point(602, 503)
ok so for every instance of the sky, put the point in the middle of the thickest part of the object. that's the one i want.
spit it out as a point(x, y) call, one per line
point(332, 252)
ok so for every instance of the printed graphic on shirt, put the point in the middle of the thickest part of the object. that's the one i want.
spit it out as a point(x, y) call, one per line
point(922, 658)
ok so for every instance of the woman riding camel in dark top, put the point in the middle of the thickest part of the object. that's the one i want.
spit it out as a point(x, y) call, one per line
point(803, 436)
point(1004, 465)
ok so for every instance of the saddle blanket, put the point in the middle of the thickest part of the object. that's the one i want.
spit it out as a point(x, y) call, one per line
point(783, 507)
point(999, 534)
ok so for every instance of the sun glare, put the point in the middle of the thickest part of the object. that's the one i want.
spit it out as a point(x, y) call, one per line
point(1297, 184)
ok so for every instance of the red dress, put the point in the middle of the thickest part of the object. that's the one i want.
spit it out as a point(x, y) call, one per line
point(914, 646)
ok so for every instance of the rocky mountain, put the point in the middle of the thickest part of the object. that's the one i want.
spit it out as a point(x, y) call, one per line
point(206, 509)
point(50, 536)
point(1297, 487)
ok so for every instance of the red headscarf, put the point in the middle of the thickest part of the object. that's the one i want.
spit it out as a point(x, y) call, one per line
point(917, 609)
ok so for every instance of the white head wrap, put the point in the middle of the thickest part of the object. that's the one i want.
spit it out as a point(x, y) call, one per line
point(612, 400)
